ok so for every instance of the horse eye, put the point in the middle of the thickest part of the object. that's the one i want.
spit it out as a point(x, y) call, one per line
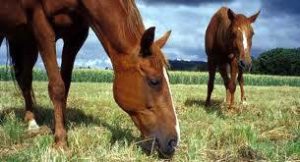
point(154, 82)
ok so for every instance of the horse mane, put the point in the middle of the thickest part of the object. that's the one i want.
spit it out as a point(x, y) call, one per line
point(133, 26)
point(165, 61)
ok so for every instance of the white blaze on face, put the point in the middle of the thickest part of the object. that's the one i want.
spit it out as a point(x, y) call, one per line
point(177, 124)
point(245, 40)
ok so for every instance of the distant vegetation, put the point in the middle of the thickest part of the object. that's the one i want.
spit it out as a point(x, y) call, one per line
point(278, 62)
point(176, 77)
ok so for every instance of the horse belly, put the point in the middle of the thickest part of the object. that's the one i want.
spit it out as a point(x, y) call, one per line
point(62, 20)
point(11, 15)
point(52, 7)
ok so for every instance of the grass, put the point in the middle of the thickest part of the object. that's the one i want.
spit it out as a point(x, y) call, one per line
point(268, 128)
point(176, 77)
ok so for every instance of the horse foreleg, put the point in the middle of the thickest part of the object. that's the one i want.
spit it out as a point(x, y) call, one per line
point(45, 37)
point(241, 83)
point(71, 47)
point(233, 80)
point(24, 56)
point(210, 85)
point(224, 74)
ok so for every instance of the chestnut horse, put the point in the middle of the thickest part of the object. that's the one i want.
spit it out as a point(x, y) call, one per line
point(23, 51)
point(228, 42)
point(141, 84)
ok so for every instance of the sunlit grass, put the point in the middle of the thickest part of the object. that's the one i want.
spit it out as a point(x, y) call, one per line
point(268, 128)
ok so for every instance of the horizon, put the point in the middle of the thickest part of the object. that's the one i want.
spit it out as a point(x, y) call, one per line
point(276, 27)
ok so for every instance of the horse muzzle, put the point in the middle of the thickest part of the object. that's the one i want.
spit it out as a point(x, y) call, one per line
point(244, 65)
point(165, 148)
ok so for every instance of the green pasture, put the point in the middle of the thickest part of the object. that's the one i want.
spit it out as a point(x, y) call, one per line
point(266, 129)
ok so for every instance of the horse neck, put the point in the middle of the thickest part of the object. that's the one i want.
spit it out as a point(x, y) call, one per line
point(117, 24)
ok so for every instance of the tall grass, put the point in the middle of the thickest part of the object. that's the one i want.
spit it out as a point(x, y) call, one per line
point(176, 77)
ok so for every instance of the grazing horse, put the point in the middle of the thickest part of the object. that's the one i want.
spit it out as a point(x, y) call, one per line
point(228, 42)
point(141, 85)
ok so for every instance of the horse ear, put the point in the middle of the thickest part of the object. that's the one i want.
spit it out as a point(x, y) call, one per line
point(163, 40)
point(254, 17)
point(146, 42)
point(231, 14)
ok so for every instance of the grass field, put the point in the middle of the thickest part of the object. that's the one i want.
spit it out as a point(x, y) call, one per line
point(267, 129)
point(176, 77)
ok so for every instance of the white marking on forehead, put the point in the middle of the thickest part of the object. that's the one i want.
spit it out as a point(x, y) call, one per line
point(245, 40)
point(177, 124)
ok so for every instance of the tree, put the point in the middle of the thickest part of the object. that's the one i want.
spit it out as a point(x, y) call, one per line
point(278, 61)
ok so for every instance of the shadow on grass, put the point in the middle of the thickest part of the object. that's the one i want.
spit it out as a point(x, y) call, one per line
point(215, 106)
point(75, 116)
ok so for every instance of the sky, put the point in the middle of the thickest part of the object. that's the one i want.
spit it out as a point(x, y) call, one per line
point(278, 25)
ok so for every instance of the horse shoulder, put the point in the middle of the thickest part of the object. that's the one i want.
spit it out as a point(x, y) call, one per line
point(213, 31)
point(216, 32)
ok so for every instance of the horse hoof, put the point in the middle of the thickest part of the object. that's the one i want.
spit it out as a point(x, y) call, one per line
point(207, 104)
point(43, 130)
point(32, 125)
point(244, 103)
point(60, 146)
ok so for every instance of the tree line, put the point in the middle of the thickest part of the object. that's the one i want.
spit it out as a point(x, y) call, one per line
point(279, 61)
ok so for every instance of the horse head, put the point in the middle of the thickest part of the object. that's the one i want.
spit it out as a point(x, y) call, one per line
point(240, 35)
point(142, 90)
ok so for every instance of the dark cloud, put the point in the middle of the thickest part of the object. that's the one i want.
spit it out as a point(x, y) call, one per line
point(182, 2)
point(277, 26)
point(280, 6)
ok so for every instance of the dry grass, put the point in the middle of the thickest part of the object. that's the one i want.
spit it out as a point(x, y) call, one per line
point(266, 129)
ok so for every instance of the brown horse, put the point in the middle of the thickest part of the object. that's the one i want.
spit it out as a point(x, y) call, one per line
point(141, 85)
point(228, 42)
point(24, 51)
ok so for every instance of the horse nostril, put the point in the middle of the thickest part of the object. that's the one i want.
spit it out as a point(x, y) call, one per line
point(168, 150)
point(242, 64)
point(173, 143)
